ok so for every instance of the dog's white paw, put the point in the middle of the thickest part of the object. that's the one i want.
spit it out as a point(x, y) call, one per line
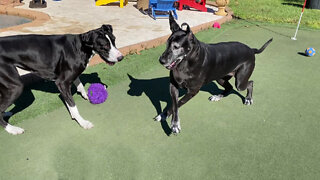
point(14, 130)
point(248, 102)
point(86, 124)
point(160, 117)
point(84, 96)
point(176, 128)
point(157, 118)
point(215, 97)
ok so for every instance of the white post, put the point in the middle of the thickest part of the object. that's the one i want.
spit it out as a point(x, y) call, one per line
point(295, 35)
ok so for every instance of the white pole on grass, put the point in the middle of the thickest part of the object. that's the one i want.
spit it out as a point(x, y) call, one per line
point(295, 35)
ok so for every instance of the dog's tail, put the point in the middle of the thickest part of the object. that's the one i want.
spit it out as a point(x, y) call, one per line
point(258, 51)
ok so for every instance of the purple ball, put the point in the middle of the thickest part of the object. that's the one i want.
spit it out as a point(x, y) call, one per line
point(97, 93)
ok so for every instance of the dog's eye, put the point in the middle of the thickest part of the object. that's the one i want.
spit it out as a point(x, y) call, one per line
point(107, 46)
point(175, 46)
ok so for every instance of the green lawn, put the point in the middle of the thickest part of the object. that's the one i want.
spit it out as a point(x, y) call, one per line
point(276, 11)
point(275, 138)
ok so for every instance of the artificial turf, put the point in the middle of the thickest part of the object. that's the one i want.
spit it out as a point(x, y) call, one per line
point(276, 11)
point(275, 138)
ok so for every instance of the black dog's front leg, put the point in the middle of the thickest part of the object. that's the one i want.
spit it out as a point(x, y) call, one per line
point(190, 94)
point(65, 90)
point(175, 123)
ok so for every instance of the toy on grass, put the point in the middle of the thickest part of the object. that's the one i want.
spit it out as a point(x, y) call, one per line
point(310, 51)
point(216, 25)
point(97, 93)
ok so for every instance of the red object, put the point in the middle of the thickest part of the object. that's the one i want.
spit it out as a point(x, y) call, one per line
point(216, 25)
point(196, 4)
point(305, 2)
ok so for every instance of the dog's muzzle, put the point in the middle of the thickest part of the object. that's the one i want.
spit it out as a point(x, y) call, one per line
point(162, 60)
point(172, 64)
point(114, 57)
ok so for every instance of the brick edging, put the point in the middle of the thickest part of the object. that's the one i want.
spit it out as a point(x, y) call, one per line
point(136, 48)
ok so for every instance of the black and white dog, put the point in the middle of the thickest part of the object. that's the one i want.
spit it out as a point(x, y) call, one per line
point(60, 58)
point(193, 64)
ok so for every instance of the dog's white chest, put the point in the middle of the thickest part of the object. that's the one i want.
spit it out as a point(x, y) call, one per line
point(93, 53)
point(22, 71)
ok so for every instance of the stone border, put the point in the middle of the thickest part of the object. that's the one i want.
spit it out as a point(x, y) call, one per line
point(38, 18)
point(136, 48)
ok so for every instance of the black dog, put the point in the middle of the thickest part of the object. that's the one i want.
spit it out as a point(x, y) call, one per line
point(60, 58)
point(193, 64)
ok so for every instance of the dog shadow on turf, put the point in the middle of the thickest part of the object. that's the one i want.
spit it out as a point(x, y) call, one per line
point(33, 82)
point(157, 90)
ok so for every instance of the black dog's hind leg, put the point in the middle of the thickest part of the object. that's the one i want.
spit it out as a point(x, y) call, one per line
point(224, 82)
point(242, 81)
point(65, 90)
point(10, 89)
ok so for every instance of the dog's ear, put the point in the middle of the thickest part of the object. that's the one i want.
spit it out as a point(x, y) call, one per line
point(87, 39)
point(107, 28)
point(130, 77)
point(173, 24)
point(185, 27)
point(191, 38)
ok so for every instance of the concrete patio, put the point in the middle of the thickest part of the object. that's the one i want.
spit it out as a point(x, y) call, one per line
point(130, 25)
point(134, 30)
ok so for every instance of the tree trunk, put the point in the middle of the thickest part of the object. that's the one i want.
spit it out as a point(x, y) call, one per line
point(313, 4)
